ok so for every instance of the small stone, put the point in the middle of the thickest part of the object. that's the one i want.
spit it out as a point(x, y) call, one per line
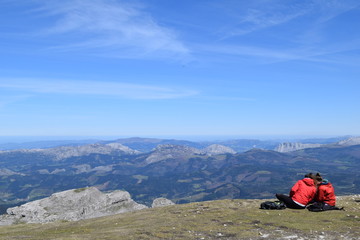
point(161, 202)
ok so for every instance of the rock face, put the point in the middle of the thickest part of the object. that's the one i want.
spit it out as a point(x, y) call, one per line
point(290, 147)
point(168, 151)
point(216, 149)
point(161, 202)
point(7, 172)
point(72, 205)
point(111, 148)
point(350, 141)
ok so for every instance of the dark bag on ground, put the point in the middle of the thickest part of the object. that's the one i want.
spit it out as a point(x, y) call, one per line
point(277, 205)
point(320, 207)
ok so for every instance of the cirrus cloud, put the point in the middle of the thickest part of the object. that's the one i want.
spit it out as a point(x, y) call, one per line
point(113, 28)
point(113, 89)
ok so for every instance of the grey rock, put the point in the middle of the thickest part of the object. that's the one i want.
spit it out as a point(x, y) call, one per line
point(72, 205)
point(86, 168)
point(7, 172)
point(169, 151)
point(216, 149)
point(161, 202)
point(350, 141)
point(60, 153)
point(290, 147)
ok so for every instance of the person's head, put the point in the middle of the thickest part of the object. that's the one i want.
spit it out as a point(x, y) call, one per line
point(316, 177)
point(309, 175)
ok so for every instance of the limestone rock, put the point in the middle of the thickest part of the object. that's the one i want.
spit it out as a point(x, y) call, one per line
point(350, 141)
point(290, 147)
point(216, 149)
point(72, 205)
point(161, 202)
point(168, 151)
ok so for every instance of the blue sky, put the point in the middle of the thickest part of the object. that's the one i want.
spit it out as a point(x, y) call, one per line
point(179, 68)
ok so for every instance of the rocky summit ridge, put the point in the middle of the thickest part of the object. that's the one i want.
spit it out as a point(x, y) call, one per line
point(217, 149)
point(167, 151)
point(295, 146)
point(170, 151)
point(290, 146)
point(63, 152)
point(350, 141)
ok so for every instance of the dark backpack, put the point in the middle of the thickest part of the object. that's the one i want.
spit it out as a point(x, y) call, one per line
point(277, 205)
point(320, 207)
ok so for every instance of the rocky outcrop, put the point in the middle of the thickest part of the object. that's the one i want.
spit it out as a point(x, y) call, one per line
point(290, 147)
point(72, 205)
point(111, 148)
point(350, 141)
point(161, 202)
point(7, 172)
point(169, 151)
point(216, 149)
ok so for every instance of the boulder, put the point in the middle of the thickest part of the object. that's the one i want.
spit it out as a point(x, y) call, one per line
point(161, 202)
point(72, 205)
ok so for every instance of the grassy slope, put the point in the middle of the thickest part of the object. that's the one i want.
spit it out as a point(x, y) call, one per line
point(225, 219)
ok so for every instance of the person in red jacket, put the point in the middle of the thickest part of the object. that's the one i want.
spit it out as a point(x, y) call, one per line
point(326, 193)
point(301, 193)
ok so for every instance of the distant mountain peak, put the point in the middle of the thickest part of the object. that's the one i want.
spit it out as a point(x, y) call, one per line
point(290, 146)
point(111, 148)
point(216, 149)
point(350, 141)
point(63, 152)
point(294, 146)
point(168, 151)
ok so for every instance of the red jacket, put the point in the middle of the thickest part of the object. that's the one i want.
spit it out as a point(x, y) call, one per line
point(326, 194)
point(303, 191)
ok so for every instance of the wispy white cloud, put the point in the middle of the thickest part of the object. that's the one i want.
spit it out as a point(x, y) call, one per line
point(310, 37)
point(335, 53)
point(118, 28)
point(258, 15)
point(330, 9)
point(114, 89)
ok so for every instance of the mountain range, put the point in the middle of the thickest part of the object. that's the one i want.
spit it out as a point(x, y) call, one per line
point(182, 171)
